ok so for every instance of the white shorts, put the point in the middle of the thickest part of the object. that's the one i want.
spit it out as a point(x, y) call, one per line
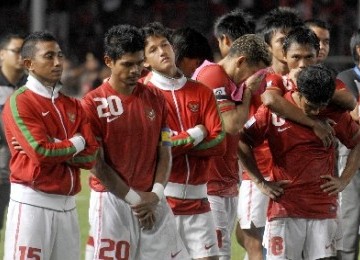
point(199, 234)
point(292, 238)
point(224, 213)
point(252, 205)
point(117, 233)
point(39, 233)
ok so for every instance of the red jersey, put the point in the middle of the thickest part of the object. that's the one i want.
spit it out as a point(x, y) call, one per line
point(299, 156)
point(189, 104)
point(43, 121)
point(129, 128)
point(223, 170)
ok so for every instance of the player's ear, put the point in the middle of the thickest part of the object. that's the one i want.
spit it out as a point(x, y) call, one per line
point(108, 61)
point(27, 63)
point(240, 60)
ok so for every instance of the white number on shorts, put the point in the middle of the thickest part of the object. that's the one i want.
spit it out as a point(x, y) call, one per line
point(276, 120)
point(29, 253)
point(121, 248)
point(113, 103)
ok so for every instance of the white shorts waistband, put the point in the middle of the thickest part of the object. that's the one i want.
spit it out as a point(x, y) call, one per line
point(27, 195)
point(183, 191)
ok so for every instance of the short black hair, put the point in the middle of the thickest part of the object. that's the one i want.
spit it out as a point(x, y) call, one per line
point(6, 38)
point(188, 42)
point(234, 24)
point(278, 19)
point(354, 43)
point(156, 29)
point(253, 48)
point(28, 48)
point(317, 23)
point(121, 39)
point(316, 83)
point(301, 35)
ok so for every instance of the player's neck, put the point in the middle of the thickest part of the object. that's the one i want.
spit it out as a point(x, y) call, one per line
point(279, 67)
point(122, 88)
point(12, 75)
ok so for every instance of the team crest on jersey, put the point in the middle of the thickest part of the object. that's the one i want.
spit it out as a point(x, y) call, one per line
point(150, 113)
point(193, 106)
point(72, 117)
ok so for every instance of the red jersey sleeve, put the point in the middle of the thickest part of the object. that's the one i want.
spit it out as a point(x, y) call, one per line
point(255, 129)
point(275, 82)
point(215, 78)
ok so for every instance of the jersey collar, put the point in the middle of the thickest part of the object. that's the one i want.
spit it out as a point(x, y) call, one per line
point(49, 92)
point(167, 83)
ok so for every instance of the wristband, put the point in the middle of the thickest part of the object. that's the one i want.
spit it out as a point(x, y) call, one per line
point(197, 134)
point(132, 197)
point(158, 189)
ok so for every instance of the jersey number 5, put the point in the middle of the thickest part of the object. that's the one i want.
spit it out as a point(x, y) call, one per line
point(110, 106)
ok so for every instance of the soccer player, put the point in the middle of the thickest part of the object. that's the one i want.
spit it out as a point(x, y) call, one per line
point(252, 203)
point(55, 141)
point(274, 26)
point(191, 49)
point(12, 76)
point(322, 31)
point(129, 217)
point(247, 54)
point(196, 135)
point(350, 196)
point(231, 26)
point(302, 216)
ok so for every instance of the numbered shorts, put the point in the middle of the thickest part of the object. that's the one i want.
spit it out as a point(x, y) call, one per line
point(199, 234)
point(224, 212)
point(292, 238)
point(117, 233)
point(40, 233)
point(252, 205)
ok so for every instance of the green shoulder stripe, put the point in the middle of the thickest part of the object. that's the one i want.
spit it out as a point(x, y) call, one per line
point(27, 134)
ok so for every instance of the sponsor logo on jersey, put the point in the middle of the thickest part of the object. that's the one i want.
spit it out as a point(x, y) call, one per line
point(45, 113)
point(150, 113)
point(193, 106)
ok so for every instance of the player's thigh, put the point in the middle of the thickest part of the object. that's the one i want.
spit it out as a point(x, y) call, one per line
point(67, 245)
point(199, 234)
point(162, 241)
point(252, 205)
point(323, 239)
point(284, 238)
point(29, 232)
point(114, 228)
point(224, 213)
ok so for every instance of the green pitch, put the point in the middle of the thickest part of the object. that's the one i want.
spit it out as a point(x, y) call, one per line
point(83, 205)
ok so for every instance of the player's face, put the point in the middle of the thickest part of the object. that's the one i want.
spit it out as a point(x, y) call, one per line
point(159, 55)
point(245, 71)
point(299, 56)
point(324, 38)
point(127, 69)
point(10, 55)
point(47, 63)
point(311, 109)
point(276, 45)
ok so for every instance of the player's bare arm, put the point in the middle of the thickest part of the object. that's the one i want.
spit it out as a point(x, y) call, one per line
point(274, 100)
point(344, 99)
point(269, 188)
point(235, 119)
point(334, 185)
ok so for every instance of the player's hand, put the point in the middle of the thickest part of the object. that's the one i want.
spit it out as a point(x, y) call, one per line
point(293, 74)
point(333, 185)
point(325, 131)
point(256, 81)
point(271, 188)
point(17, 146)
point(144, 210)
